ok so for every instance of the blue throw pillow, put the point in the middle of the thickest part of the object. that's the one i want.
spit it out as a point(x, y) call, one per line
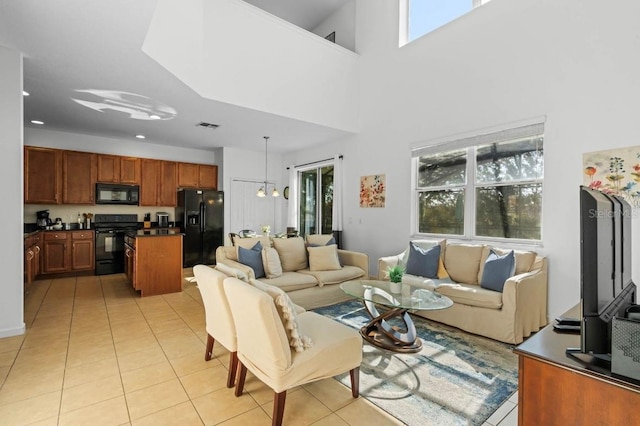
point(252, 258)
point(497, 269)
point(423, 262)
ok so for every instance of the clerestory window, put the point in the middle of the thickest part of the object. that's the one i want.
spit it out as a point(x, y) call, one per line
point(424, 16)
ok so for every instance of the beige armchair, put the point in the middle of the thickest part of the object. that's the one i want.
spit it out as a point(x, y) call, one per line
point(219, 322)
point(264, 349)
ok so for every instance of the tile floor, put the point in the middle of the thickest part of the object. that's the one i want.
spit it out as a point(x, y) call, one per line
point(95, 353)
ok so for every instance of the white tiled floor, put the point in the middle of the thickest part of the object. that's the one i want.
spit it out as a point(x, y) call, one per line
point(95, 353)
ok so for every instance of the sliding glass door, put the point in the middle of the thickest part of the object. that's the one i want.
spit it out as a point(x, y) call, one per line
point(316, 200)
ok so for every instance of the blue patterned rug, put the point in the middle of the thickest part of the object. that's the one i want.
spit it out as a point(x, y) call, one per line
point(456, 379)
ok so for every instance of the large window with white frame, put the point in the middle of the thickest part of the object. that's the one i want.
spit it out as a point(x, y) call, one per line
point(482, 187)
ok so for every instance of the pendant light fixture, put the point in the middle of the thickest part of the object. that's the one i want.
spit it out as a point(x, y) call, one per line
point(262, 192)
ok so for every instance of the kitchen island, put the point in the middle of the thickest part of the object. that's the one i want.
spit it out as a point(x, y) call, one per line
point(153, 260)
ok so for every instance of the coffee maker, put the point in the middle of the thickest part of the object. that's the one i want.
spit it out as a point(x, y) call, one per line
point(43, 219)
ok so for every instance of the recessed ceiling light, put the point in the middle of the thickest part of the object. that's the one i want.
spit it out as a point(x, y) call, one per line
point(25, 93)
point(140, 136)
point(37, 122)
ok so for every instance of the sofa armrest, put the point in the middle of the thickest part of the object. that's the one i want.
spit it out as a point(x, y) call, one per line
point(384, 263)
point(526, 296)
point(354, 258)
point(239, 266)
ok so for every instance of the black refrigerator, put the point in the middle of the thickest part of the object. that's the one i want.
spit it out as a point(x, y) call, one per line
point(200, 216)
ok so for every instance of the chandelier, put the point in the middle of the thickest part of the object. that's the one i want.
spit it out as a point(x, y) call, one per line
point(262, 192)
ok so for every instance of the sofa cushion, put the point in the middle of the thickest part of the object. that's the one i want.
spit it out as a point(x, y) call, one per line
point(271, 262)
point(341, 275)
point(324, 258)
point(253, 258)
point(497, 269)
point(315, 240)
point(463, 262)
point(290, 281)
point(524, 259)
point(288, 315)
point(293, 253)
point(470, 294)
point(249, 243)
point(423, 262)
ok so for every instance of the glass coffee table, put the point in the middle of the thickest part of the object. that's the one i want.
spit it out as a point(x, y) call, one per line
point(379, 331)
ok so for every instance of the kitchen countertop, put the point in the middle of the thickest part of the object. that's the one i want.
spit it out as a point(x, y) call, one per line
point(155, 232)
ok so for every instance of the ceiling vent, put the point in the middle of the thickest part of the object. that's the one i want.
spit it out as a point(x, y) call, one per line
point(207, 125)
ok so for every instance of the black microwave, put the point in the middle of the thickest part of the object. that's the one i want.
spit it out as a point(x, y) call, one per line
point(112, 193)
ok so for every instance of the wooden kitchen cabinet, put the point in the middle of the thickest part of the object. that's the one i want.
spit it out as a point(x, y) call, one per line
point(82, 250)
point(153, 261)
point(202, 176)
point(55, 252)
point(118, 169)
point(149, 173)
point(31, 259)
point(68, 251)
point(168, 184)
point(42, 177)
point(79, 173)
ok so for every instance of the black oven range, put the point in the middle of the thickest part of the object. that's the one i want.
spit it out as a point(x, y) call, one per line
point(110, 230)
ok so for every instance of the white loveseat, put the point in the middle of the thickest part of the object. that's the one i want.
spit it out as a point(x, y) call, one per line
point(303, 276)
point(508, 316)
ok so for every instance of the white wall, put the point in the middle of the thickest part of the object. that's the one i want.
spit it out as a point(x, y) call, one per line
point(249, 165)
point(343, 22)
point(507, 61)
point(11, 261)
point(233, 52)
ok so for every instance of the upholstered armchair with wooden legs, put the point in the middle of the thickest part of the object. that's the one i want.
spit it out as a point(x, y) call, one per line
point(219, 322)
point(330, 348)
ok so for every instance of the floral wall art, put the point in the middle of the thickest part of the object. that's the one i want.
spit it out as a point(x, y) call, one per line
point(372, 191)
point(614, 172)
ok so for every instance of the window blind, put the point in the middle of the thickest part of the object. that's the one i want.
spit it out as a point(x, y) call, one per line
point(481, 139)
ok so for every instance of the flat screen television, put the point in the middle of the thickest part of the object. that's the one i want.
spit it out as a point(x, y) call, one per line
point(606, 287)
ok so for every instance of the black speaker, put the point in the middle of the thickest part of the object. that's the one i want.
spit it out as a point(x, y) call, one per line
point(625, 347)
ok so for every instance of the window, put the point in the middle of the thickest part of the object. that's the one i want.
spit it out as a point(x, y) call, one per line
point(425, 16)
point(489, 186)
point(316, 200)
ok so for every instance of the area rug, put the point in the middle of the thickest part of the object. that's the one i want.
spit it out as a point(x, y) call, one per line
point(456, 379)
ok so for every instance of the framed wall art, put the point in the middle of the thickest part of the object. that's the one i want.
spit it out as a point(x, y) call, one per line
point(372, 191)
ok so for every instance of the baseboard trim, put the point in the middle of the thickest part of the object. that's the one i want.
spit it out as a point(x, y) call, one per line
point(10, 332)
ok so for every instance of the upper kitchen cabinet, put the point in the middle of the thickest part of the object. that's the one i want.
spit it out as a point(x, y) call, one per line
point(118, 169)
point(42, 177)
point(158, 183)
point(149, 173)
point(197, 176)
point(79, 173)
point(168, 185)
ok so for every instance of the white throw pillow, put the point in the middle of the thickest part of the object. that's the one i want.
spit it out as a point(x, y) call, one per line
point(288, 315)
point(324, 258)
point(271, 262)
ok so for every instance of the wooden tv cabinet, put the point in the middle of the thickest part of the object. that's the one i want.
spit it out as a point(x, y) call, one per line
point(556, 389)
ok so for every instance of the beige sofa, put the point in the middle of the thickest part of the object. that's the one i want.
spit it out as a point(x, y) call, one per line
point(306, 284)
point(509, 316)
